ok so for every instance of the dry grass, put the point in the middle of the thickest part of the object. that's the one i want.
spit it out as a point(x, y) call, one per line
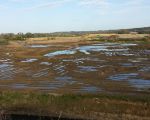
point(83, 38)
point(120, 35)
point(46, 40)
point(73, 105)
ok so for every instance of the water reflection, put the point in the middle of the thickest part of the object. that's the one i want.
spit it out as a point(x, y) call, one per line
point(110, 48)
point(29, 60)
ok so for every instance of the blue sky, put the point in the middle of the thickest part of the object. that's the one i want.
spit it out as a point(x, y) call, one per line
point(72, 15)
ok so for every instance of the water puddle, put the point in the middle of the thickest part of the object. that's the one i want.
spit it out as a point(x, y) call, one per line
point(105, 47)
point(60, 69)
point(39, 46)
point(83, 60)
point(65, 80)
point(6, 71)
point(138, 60)
point(46, 63)
point(88, 49)
point(4, 60)
point(41, 73)
point(87, 68)
point(140, 83)
point(133, 79)
point(53, 85)
point(29, 60)
point(63, 52)
point(129, 44)
point(19, 86)
point(145, 69)
point(127, 64)
point(121, 77)
point(90, 89)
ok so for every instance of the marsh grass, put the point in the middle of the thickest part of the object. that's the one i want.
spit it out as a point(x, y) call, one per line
point(86, 105)
point(3, 42)
point(121, 40)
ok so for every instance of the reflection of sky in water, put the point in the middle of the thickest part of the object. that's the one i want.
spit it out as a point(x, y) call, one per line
point(19, 86)
point(29, 60)
point(128, 44)
point(60, 69)
point(6, 71)
point(87, 68)
point(46, 63)
point(145, 69)
point(39, 46)
point(120, 77)
point(82, 60)
point(65, 79)
point(47, 86)
point(137, 60)
point(140, 83)
point(41, 73)
point(132, 79)
point(90, 89)
point(126, 64)
point(122, 50)
point(63, 52)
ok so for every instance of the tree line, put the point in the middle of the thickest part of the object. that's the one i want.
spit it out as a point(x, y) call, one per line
point(23, 36)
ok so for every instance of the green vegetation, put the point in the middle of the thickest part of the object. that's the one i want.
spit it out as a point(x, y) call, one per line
point(5, 38)
point(3, 42)
point(115, 38)
point(76, 105)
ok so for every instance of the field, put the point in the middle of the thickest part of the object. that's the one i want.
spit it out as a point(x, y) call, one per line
point(94, 76)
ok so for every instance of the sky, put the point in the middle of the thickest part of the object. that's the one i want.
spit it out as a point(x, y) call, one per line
point(72, 15)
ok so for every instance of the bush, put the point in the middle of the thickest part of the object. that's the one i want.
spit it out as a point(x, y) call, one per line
point(3, 42)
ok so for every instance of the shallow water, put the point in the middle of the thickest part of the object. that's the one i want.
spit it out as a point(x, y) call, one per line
point(63, 52)
point(90, 89)
point(29, 60)
point(91, 68)
point(87, 68)
point(92, 48)
point(38, 46)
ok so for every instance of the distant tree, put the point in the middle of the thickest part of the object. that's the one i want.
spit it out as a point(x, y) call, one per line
point(29, 35)
point(123, 31)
